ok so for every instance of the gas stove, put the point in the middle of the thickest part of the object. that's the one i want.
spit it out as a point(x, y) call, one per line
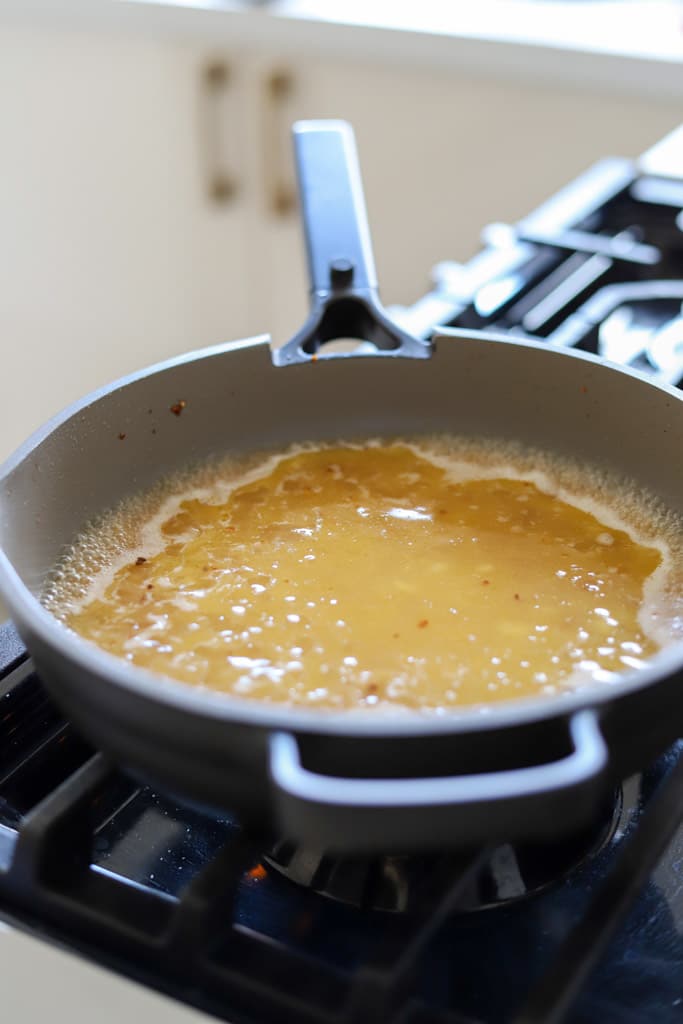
point(598, 267)
point(251, 928)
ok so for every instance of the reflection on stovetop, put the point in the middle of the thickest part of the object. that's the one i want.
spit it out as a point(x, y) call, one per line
point(185, 901)
point(598, 267)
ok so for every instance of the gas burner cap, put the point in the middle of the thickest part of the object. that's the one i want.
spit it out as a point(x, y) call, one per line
point(398, 884)
point(644, 331)
point(665, 349)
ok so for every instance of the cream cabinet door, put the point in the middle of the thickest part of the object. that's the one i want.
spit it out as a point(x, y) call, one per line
point(113, 253)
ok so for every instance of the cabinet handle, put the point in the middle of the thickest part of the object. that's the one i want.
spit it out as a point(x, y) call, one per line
point(221, 182)
point(281, 193)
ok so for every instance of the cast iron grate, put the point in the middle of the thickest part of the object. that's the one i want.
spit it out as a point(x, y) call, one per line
point(611, 242)
point(190, 935)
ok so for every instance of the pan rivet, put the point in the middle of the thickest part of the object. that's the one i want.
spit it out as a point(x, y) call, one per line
point(341, 273)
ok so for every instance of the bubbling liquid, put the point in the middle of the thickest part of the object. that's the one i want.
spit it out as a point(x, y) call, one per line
point(406, 575)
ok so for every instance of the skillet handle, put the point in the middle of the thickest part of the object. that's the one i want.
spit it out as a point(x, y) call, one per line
point(335, 220)
point(344, 298)
point(363, 815)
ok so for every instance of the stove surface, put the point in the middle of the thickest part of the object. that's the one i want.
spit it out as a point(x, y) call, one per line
point(598, 267)
point(185, 902)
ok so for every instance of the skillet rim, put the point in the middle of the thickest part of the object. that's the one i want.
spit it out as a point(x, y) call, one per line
point(179, 696)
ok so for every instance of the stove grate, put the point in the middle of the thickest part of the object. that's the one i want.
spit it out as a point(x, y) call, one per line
point(197, 944)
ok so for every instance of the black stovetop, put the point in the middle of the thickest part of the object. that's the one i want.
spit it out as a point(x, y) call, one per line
point(252, 929)
point(598, 267)
point(186, 902)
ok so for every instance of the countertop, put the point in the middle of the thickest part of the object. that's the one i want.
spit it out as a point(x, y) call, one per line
point(41, 982)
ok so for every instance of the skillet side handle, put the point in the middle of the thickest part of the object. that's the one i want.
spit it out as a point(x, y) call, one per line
point(364, 815)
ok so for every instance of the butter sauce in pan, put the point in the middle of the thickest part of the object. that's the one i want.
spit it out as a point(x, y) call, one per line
point(388, 575)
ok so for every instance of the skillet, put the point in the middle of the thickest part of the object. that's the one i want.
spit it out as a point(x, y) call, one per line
point(527, 769)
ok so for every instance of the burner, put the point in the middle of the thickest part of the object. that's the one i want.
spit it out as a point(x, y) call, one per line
point(665, 348)
point(646, 335)
point(397, 884)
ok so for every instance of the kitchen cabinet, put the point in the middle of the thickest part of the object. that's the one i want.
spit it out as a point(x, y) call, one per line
point(115, 252)
point(112, 253)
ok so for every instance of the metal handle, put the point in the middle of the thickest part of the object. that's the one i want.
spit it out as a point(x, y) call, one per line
point(335, 218)
point(278, 170)
point(222, 183)
point(370, 814)
point(344, 299)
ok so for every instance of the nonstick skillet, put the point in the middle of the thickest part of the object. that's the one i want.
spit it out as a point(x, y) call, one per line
point(530, 768)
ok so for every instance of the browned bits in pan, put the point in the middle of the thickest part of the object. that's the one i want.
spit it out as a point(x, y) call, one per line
point(422, 623)
point(122, 437)
point(140, 560)
point(178, 407)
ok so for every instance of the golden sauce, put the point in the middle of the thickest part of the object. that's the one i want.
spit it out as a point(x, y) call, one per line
point(354, 577)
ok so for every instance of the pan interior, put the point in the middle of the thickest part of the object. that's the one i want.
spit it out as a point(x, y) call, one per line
point(422, 574)
point(235, 400)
